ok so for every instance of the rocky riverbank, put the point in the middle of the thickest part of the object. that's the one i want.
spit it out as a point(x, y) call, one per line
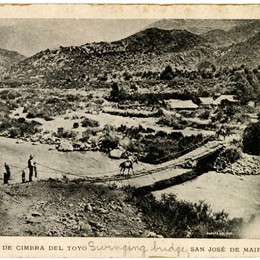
point(68, 208)
point(246, 165)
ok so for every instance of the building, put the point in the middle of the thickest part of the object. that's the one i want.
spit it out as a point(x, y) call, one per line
point(181, 104)
point(222, 98)
point(206, 101)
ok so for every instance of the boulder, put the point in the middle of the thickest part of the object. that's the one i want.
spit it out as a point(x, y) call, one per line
point(116, 153)
point(65, 146)
point(85, 147)
point(85, 227)
point(36, 214)
point(124, 142)
point(149, 234)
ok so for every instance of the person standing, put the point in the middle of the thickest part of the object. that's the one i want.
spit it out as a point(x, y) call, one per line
point(23, 176)
point(5, 178)
point(35, 170)
point(30, 166)
point(8, 172)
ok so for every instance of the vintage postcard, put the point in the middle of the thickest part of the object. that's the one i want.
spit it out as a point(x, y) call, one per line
point(129, 130)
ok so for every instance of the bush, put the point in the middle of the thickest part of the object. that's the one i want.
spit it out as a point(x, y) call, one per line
point(251, 139)
point(170, 217)
point(109, 142)
point(19, 127)
point(75, 125)
point(226, 157)
point(172, 121)
point(61, 133)
point(89, 123)
point(30, 115)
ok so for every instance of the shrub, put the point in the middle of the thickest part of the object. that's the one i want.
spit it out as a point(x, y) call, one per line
point(85, 135)
point(167, 73)
point(251, 139)
point(89, 123)
point(109, 142)
point(19, 127)
point(226, 157)
point(170, 217)
point(172, 121)
point(30, 115)
point(204, 115)
point(61, 133)
point(75, 125)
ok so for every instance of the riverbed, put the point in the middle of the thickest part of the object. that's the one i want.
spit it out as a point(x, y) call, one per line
point(54, 164)
point(239, 196)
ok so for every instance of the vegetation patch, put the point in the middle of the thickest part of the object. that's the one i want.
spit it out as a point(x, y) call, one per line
point(226, 158)
point(175, 218)
point(251, 139)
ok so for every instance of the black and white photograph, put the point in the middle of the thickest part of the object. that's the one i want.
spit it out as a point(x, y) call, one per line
point(130, 128)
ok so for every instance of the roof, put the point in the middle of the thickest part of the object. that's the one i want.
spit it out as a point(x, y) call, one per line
point(229, 98)
point(206, 100)
point(181, 104)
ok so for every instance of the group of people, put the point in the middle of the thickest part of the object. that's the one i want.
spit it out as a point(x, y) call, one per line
point(32, 171)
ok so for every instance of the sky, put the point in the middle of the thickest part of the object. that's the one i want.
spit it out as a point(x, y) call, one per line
point(29, 36)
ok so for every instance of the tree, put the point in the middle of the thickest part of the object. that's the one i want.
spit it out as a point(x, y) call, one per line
point(251, 139)
point(167, 73)
point(117, 94)
point(114, 92)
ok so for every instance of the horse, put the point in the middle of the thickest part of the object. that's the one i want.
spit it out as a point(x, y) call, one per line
point(128, 164)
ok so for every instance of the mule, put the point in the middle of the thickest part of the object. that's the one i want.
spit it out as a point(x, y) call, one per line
point(128, 164)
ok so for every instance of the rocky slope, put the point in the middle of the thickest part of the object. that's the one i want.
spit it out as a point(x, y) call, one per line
point(100, 61)
point(198, 26)
point(247, 53)
point(150, 49)
point(9, 58)
point(61, 208)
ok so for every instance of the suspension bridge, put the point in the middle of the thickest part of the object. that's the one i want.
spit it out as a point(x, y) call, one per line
point(151, 175)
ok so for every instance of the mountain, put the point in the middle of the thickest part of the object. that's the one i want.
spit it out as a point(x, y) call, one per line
point(216, 32)
point(198, 26)
point(218, 37)
point(247, 53)
point(154, 39)
point(244, 31)
point(148, 50)
point(150, 47)
point(9, 58)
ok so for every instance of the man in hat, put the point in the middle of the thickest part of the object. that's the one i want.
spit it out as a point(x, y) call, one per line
point(30, 166)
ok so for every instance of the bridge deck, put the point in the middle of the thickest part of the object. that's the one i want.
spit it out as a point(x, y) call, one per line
point(168, 170)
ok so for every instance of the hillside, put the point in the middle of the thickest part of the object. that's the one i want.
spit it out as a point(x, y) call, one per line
point(217, 32)
point(218, 37)
point(8, 58)
point(58, 208)
point(245, 31)
point(222, 43)
point(198, 26)
point(63, 208)
point(159, 40)
point(102, 61)
point(247, 53)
